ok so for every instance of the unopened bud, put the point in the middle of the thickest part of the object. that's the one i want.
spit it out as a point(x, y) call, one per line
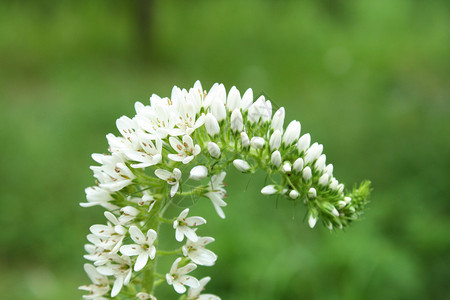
point(307, 174)
point(237, 122)
point(312, 193)
point(298, 165)
point(286, 167)
point(211, 124)
point(269, 190)
point(304, 142)
point(198, 173)
point(292, 133)
point(294, 194)
point(241, 165)
point(213, 149)
point(276, 159)
point(257, 142)
point(234, 99)
point(323, 180)
point(218, 109)
point(320, 163)
point(313, 153)
point(244, 140)
point(275, 140)
point(278, 119)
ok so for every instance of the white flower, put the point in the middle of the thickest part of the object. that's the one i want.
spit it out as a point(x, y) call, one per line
point(119, 267)
point(269, 190)
point(159, 118)
point(172, 178)
point(216, 193)
point(307, 174)
point(113, 175)
point(187, 121)
point(211, 125)
point(129, 213)
point(213, 149)
point(304, 142)
point(100, 284)
point(334, 184)
point(194, 293)
point(182, 226)
point(257, 142)
point(275, 140)
point(237, 122)
point(149, 155)
point(186, 150)
point(118, 225)
point(198, 173)
point(278, 119)
point(143, 248)
point(329, 169)
point(97, 196)
point(241, 165)
point(276, 158)
point(178, 278)
point(145, 296)
point(198, 254)
point(298, 165)
point(256, 110)
point(292, 133)
point(245, 140)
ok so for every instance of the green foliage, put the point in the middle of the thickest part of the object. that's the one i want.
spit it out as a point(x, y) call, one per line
point(368, 79)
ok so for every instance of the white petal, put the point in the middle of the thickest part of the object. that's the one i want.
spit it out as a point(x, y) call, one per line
point(137, 235)
point(131, 250)
point(141, 261)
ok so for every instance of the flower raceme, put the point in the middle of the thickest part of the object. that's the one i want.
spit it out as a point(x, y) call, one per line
point(193, 137)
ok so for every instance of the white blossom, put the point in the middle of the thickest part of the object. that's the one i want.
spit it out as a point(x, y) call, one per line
point(275, 140)
point(275, 159)
point(143, 248)
point(298, 165)
point(247, 99)
point(312, 193)
point(218, 109)
point(197, 253)
point(234, 99)
point(323, 180)
point(307, 174)
point(237, 122)
point(186, 149)
point(278, 119)
point(294, 194)
point(100, 284)
point(172, 178)
point(182, 226)
point(313, 153)
point(216, 193)
point(257, 142)
point(245, 140)
point(178, 278)
point(194, 293)
point(120, 268)
point(304, 142)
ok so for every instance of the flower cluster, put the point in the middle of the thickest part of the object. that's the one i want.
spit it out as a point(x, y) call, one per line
point(181, 146)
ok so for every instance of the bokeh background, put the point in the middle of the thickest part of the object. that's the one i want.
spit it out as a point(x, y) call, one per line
point(368, 79)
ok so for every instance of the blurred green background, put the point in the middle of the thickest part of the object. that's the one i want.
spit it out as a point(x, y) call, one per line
point(368, 79)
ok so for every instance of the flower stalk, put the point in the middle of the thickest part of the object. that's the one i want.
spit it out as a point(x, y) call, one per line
point(180, 147)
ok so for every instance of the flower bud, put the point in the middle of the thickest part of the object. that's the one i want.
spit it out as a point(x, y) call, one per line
point(342, 204)
point(275, 140)
point(340, 188)
point(213, 149)
point(323, 180)
point(292, 133)
point(267, 112)
point(286, 167)
point(269, 190)
point(241, 165)
point(313, 217)
point(304, 142)
point(312, 193)
point(320, 163)
point(234, 99)
point(294, 194)
point(257, 142)
point(347, 199)
point(198, 173)
point(276, 159)
point(256, 110)
point(247, 99)
point(244, 140)
point(307, 174)
point(237, 122)
point(278, 119)
point(334, 184)
point(313, 153)
point(129, 211)
point(211, 124)
point(329, 170)
point(218, 109)
point(298, 165)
